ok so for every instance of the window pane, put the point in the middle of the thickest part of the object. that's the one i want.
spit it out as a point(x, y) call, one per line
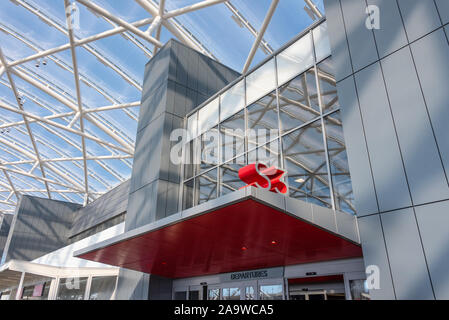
point(321, 39)
point(271, 292)
point(229, 176)
point(209, 150)
point(338, 160)
point(71, 289)
point(233, 100)
point(102, 288)
point(194, 295)
point(208, 116)
point(232, 136)
point(206, 186)
point(249, 293)
point(359, 290)
point(298, 101)
point(181, 295)
point(328, 85)
point(214, 294)
point(295, 59)
point(260, 82)
point(267, 154)
point(305, 163)
point(191, 157)
point(187, 197)
point(231, 293)
point(263, 124)
point(192, 126)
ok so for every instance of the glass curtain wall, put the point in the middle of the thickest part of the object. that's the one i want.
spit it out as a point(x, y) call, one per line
point(286, 114)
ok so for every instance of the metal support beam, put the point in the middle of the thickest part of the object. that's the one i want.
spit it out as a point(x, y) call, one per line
point(173, 28)
point(78, 97)
point(74, 107)
point(27, 125)
point(314, 8)
point(121, 22)
point(262, 30)
point(193, 7)
point(60, 126)
point(20, 287)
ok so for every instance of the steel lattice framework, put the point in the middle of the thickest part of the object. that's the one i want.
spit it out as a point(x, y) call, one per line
point(46, 173)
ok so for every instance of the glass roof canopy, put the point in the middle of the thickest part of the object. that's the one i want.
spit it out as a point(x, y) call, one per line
point(70, 84)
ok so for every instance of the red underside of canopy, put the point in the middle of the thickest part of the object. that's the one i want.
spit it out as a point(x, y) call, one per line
point(242, 236)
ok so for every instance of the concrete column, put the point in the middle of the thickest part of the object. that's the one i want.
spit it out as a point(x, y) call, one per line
point(20, 287)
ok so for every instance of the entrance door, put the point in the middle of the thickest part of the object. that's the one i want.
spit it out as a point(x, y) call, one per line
point(231, 291)
point(195, 293)
point(272, 289)
point(312, 295)
point(317, 288)
point(246, 290)
point(249, 290)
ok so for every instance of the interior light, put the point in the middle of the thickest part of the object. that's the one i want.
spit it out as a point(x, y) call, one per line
point(273, 242)
point(300, 180)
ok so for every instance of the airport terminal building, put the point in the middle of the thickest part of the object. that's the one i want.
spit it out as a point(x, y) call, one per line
point(353, 121)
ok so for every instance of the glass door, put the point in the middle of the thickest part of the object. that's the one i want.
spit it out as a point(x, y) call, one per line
point(271, 289)
point(248, 290)
point(195, 293)
point(180, 293)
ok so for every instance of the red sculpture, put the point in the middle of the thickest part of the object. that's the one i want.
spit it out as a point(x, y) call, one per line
point(259, 175)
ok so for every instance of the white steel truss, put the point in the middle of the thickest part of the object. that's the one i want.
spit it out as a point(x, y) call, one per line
point(34, 171)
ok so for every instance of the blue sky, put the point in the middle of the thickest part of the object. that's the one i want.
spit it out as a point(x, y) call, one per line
point(213, 26)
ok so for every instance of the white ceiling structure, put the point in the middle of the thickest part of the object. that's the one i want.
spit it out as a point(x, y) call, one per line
point(68, 112)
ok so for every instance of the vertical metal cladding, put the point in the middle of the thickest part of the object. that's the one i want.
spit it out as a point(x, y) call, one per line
point(395, 101)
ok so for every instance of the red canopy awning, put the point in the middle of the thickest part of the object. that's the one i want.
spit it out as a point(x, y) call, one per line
point(240, 236)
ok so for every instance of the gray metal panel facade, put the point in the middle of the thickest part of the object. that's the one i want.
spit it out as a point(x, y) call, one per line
point(39, 226)
point(176, 80)
point(5, 225)
point(395, 111)
point(106, 207)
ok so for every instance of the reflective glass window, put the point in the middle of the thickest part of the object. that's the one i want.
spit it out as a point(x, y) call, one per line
point(192, 126)
point(214, 294)
point(194, 295)
point(232, 132)
point(229, 177)
point(232, 100)
point(298, 102)
point(338, 160)
point(71, 289)
point(359, 289)
point(206, 186)
point(270, 292)
point(209, 150)
point(231, 293)
point(187, 196)
point(268, 154)
point(260, 82)
point(180, 295)
point(208, 116)
point(305, 162)
point(321, 40)
point(102, 288)
point(263, 122)
point(249, 293)
point(192, 154)
point(328, 85)
point(295, 59)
